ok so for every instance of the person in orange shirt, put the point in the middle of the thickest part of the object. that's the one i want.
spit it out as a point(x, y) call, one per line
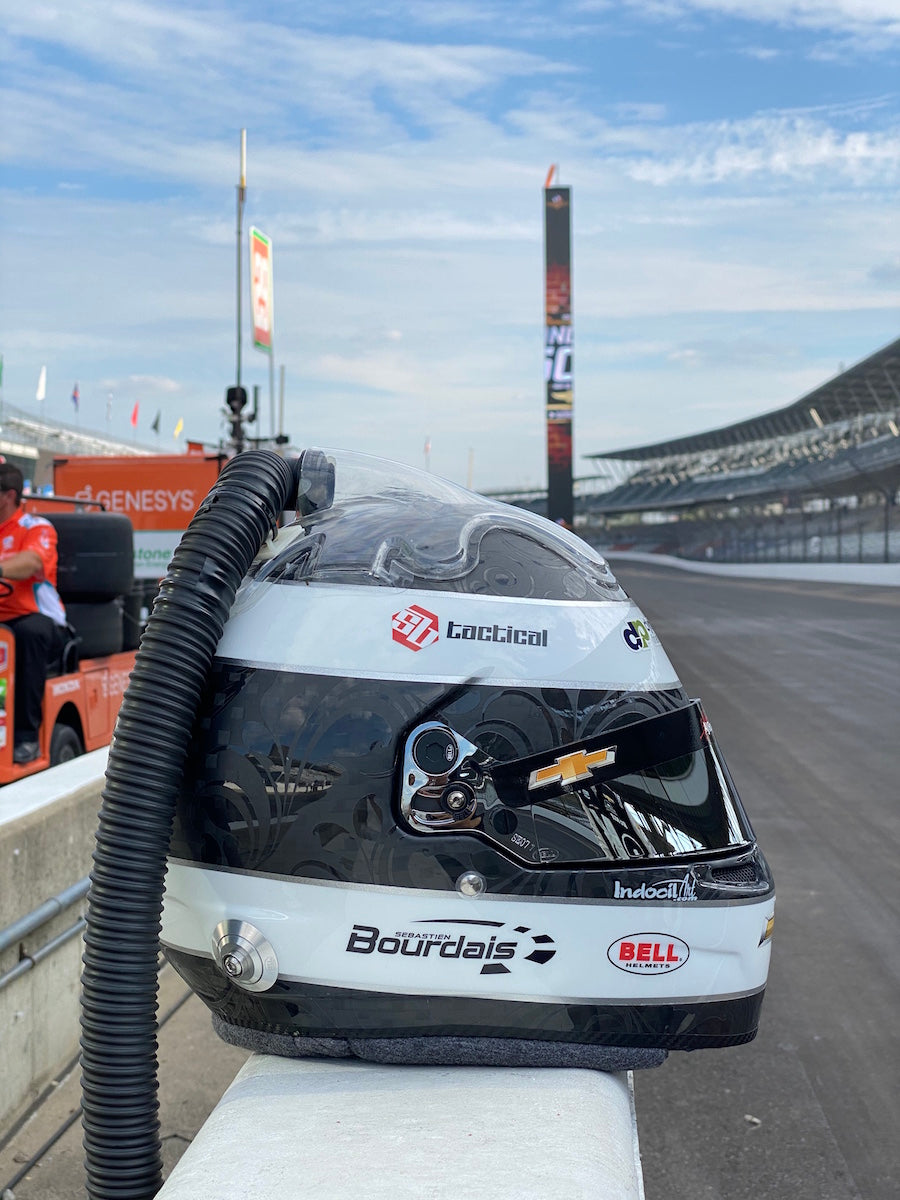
point(29, 605)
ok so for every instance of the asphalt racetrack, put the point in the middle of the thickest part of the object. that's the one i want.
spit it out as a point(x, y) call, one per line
point(802, 684)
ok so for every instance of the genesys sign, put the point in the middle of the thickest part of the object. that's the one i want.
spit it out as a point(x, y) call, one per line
point(494, 945)
point(648, 953)
point(416, 628)
point(136, 500)
point(154, 492)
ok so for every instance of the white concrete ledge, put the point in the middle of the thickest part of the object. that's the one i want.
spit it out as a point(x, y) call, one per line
point(44, 788)
point(334, 1129)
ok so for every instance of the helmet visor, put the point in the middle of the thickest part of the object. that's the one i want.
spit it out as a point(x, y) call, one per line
point(651, 789)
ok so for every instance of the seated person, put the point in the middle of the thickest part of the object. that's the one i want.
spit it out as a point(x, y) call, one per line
point(32, 608)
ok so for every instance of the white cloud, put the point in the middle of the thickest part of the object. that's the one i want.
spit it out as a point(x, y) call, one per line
point(761, 53)
point(870, 18)
point(147, 383)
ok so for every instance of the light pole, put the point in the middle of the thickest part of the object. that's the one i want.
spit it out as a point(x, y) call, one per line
point(241, 196)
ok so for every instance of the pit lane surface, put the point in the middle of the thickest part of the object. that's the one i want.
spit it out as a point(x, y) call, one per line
point(802, 684)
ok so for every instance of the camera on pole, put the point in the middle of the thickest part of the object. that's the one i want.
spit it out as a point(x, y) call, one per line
point(236, 399)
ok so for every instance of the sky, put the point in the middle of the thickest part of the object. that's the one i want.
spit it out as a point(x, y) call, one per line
point(735, 176)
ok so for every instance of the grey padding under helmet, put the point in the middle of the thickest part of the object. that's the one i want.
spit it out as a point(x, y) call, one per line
point(445, 1051)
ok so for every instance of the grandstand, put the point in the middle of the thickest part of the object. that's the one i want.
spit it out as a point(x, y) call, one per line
point(31, 442)
point(817, 479)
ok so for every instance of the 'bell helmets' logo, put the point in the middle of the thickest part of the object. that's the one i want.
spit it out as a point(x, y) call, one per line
point(415, 627)
point(636, 635)
point(648, 953)
point(571, 768)
point(489, 943)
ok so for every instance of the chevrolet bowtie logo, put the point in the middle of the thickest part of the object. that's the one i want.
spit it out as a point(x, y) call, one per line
point(571, 768)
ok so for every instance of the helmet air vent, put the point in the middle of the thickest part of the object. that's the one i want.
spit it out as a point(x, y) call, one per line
point(738, 875)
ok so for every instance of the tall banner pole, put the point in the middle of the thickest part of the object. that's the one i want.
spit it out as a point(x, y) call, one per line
point(236, 397)
point(558, 349)
point(241, 196)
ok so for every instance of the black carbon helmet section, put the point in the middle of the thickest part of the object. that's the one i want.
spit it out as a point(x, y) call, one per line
point(299, 776)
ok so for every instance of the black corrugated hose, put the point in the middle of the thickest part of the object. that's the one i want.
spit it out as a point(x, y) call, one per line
point(146, 760)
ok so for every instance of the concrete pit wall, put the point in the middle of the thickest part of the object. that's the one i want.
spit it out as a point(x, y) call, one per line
point(47, 827)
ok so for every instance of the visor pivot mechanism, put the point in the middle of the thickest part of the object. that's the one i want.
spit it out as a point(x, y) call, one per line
point(459, 800)
point(244, 955)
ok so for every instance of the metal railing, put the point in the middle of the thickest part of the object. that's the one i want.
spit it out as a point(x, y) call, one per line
point(36, 919)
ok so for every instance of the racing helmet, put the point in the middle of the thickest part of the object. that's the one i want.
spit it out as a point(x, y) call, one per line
point(449, 801)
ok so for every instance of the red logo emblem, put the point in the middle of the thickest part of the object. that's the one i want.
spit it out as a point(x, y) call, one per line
point(648, 953)
point(414, 627)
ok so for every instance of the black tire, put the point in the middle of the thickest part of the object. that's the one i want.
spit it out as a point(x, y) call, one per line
point(95, 553)
point(65, 744)
point(99, 627)
point(151, 590)
point(132, 625)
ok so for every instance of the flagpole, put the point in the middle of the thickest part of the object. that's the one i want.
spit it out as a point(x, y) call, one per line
point(41, 393)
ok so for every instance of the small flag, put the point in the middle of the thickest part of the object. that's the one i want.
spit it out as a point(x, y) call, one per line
point(41, 393)
point(134, 414)
point(109, 407)
point(155, 425)
point(178, 428)
point(428, 445)
point(75, 396)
